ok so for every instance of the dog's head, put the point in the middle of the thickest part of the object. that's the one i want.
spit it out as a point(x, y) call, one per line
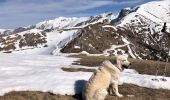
point(122, 61)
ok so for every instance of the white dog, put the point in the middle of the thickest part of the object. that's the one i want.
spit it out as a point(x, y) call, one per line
point(105, 79)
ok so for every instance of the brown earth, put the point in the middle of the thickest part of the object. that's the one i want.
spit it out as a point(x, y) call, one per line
point(93, 39)
point(130, 92)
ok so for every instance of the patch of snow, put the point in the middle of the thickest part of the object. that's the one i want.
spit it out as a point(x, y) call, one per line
point(130, 71)
point(58, 23)
point(91, 45)
point(145, 81)
point(113, 48)
point(110, 26)
point(2, 30)
point(38, 73)
point(129, 49)
point(88, 54)
point(85, 52)
point(77, 47)
point(130, 52)
point(125, 40)
point(64, 39)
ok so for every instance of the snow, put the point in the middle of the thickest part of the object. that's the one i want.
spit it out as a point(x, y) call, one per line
point(88, 54)
point(110, 26)
point(129, 49)
point(55, 41)
point(2, 30)
point(61, 23)
point(114, 47)
point(77, 47)
point(125, 40)
point(57, 23)
point(43, 73)
point(130, 52)
point(37, 73)
point(145, 81)
point(63, 39)
point(155, 11)
point(90, 45)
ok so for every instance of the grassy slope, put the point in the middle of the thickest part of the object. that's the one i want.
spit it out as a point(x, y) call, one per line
point(142, 66)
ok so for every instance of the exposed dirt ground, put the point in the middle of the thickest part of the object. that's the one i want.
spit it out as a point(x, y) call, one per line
point(130, 92)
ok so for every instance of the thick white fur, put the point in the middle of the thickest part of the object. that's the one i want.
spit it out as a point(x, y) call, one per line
point(104, 79)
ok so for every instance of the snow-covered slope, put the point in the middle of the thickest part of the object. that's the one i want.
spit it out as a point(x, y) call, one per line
point(66, 22)
point(61, 22)
point(143, 24)
point(155, 11)
point(4, 32)
point(48, 37)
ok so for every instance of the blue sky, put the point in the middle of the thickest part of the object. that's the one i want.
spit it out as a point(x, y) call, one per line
point(16, 13)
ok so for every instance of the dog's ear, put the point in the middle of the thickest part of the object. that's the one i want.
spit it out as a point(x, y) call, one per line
point(113, 59)
point(119, 64)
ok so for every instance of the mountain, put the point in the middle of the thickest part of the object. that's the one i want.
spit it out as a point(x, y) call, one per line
point(47, 37)
point(137, 31)
point(143, 25)
point(64, 22)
